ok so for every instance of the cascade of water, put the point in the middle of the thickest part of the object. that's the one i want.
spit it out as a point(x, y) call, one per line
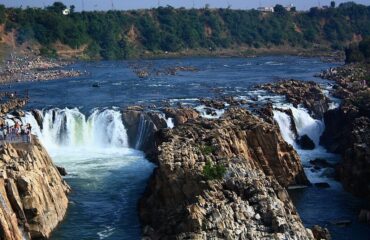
point(217, 113)
point(169, 121)
point(70, 128)
point(305, 125)
point(284, 123)
point(141, 131)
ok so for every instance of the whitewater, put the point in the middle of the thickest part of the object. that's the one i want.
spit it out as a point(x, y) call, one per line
point(106, 175)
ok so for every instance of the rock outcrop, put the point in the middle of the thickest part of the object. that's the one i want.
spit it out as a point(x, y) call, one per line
point(347, 129)
point(309, 94)
point(247, 200)
point(141, 127)
point(33, 195)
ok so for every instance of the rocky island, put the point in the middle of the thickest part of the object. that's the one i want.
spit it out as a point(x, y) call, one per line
point(246, 201)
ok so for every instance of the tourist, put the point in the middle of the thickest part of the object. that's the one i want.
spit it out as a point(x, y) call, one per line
point(24, 133)
point(29, 130)
point(2, 129)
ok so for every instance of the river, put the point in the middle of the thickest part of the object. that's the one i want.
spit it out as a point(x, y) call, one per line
point(83, 132)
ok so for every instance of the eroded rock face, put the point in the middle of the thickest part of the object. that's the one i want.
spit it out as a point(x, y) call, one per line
point(309, 94)
point(181, 115)
point(347, 129)
point(248, 202)
point(141, 127)
point(33, 194)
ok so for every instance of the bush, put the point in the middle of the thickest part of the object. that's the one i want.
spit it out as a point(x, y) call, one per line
point(216, 171)
point(48, 52)
point(206, 150)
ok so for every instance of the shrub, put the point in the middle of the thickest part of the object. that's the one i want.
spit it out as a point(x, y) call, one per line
point(206, 150)
point(213, 171)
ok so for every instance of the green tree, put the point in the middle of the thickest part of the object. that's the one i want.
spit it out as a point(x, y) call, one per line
point(2, 13)
point(57, 7)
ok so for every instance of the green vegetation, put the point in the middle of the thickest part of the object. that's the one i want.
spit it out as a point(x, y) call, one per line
point(215, 171)
point(359, 52)
point(206, 150)
point(127, 34)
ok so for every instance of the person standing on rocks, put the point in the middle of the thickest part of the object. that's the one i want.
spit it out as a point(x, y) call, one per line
point(2, 133)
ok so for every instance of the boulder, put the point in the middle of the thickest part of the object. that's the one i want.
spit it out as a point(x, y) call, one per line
point(306, 143)
point(62, 171)
point(181, 115)
point(320, 233)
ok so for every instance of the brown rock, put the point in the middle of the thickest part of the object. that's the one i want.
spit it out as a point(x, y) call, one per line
point(321, 233)
point(33, 191)
point(248, 201)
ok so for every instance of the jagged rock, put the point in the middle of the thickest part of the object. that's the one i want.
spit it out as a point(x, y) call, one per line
point(181, 115)
point(34, 196)
point(321, 163)
point(306, 143)
point(216, 104)
point(62, 171)
point(141, 127)
point(37, 114)
point(320, 233)
point(347, 132)
point(309, 94)
point(247, 202)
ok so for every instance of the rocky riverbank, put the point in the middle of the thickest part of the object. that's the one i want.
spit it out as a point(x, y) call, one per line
point(348, 127)
point(32, 192)
point(34, 68)
point(223, 178)
point(308, 94)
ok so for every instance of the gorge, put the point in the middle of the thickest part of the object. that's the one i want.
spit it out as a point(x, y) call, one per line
point(104, 143)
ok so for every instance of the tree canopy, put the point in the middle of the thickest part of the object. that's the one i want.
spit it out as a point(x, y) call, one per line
point(123, 34)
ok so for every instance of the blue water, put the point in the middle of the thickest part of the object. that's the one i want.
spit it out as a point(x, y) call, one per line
point(107, 185)
point(121, 87)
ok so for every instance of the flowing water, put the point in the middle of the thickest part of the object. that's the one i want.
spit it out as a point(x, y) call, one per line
point(83, 131)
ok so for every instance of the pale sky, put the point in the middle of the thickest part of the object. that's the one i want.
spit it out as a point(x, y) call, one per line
point(136, 4)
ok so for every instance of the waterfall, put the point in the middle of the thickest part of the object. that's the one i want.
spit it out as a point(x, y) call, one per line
point(142, 129)
point(169, 121)
point(305, 124)
point(284, 123)
point(70, 128)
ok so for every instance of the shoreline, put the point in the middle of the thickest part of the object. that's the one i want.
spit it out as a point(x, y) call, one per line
point(33, 68)
point(29, 68)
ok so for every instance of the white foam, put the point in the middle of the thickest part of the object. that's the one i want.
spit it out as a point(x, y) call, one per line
point(203, 112)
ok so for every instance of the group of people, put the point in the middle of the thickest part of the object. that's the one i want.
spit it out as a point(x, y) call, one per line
point(16, 133)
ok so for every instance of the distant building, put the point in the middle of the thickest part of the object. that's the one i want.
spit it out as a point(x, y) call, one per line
point(266, 9)
point(289, 7)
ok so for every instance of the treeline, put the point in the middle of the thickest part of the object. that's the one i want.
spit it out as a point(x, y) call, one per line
point(126, 34)
point(359, 52)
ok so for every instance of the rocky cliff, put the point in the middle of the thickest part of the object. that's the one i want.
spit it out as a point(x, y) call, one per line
point(33, 195)
point(348, 127)
point(223, 179)
point(309, 94)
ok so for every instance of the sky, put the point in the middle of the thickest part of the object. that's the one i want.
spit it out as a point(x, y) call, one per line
point(137, 4)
